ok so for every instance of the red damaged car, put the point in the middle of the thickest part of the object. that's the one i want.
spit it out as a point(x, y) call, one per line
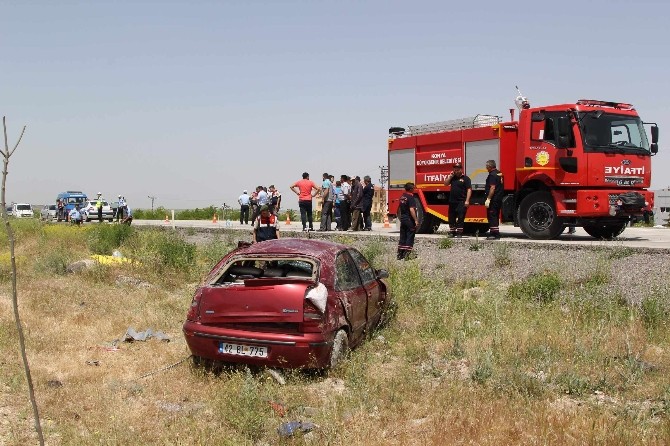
point(293, 303)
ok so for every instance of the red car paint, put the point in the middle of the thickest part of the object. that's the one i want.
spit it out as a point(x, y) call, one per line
point(255, 298)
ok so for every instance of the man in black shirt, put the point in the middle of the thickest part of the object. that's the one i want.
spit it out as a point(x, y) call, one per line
point(408, 222)
point(494, 196)
point(459, 199)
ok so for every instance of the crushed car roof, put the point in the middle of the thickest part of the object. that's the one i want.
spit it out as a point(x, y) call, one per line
point(309, 247)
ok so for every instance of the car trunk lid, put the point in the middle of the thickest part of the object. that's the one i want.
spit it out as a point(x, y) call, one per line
point(255, 301)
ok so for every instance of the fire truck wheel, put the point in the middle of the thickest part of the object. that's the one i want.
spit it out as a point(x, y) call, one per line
point(427, 223)
point(605, 231)
point(537, 216)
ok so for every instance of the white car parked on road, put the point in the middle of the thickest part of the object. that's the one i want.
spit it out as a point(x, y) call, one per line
point(22, 210)
point(48, 212)
point(90, 212)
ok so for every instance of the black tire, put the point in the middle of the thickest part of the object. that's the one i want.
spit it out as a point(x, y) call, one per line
point(427, 223)
point(340, 349)
point(537, 216)
point(605, 231)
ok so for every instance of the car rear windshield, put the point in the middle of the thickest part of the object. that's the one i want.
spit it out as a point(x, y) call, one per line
point(256, 268)
point(23, 207)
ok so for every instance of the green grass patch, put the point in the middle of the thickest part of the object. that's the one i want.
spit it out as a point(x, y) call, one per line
point(541, 287)
point(502, 255)
point(158, 251)
point(655, 312)
point(373, 250)
point(445, 243)
point(104, 239)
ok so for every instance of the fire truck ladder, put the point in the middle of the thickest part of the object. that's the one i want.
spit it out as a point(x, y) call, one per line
point(470, 122)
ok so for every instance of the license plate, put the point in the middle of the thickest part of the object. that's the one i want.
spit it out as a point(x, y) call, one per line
point(243, 350)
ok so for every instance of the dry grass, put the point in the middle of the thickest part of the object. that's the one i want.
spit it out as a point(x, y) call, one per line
point(462, 363)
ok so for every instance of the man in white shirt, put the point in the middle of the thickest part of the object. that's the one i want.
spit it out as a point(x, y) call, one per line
point(75, 215)
point(262, 199)
point(244, 201)
point(345, 204)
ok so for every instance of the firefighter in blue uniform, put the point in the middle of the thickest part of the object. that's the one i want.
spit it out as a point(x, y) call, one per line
point(408, 222)
point(494, 196)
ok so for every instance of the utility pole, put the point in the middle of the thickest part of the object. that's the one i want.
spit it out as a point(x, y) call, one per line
point(383, 179)
point(383, 176)
point(152, 201)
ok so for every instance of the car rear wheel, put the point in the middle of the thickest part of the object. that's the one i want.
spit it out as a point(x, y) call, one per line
point(340, 349)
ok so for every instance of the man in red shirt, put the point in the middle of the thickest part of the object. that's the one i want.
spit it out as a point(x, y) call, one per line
point(305, 189)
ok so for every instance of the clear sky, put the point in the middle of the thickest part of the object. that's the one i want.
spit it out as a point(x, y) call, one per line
point(192, 102)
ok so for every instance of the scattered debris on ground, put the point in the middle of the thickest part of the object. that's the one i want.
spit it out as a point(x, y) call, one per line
point(292, 427)
point(276, 374)
point(132, 335)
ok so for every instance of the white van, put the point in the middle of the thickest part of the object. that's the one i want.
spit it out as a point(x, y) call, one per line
point(22, 210)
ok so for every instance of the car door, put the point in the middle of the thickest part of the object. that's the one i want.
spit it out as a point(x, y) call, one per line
point(352, 294)
point(368, 278)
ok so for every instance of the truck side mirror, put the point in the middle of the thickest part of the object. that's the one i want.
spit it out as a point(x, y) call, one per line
point(654, 134)
point(564, 132)
point(653, 148)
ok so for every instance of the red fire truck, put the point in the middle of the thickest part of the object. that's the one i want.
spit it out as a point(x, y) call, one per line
point(584, 164)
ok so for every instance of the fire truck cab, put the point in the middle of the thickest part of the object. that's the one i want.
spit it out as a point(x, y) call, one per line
point(584, 164)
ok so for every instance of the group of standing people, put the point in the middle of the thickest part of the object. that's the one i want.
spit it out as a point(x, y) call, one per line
point(459, 201)
point(250, 205)
point(461, 192)
point(263, 204)
point(347, 201)
point(76, 215)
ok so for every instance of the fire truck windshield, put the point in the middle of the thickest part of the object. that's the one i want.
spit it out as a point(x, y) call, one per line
point(612, 133)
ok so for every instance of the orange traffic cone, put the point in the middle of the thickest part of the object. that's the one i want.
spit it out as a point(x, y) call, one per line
point(215, 219)
point(386, 221)
point(288, 219)
point(167, 220)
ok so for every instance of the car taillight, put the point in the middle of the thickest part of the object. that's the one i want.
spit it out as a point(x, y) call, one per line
point(313, 308)
point(310, 312)
point(193, 311)
point(312, 318)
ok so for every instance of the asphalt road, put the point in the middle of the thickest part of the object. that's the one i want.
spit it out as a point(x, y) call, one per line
point(651, 238)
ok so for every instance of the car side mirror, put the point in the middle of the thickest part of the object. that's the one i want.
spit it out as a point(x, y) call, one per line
point(382, 274)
